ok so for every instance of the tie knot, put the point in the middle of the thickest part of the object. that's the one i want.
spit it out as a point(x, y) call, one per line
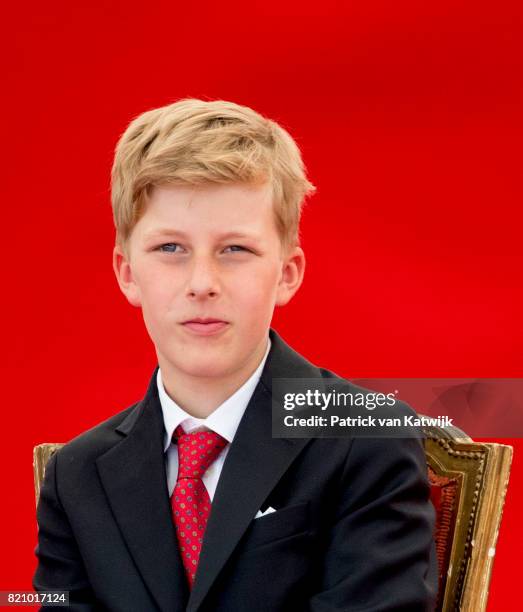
point(196, 451)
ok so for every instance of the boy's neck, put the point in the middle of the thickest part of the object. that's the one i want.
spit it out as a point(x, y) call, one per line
point(200, 396)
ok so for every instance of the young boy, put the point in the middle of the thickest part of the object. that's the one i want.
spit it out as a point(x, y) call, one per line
point(185, 500)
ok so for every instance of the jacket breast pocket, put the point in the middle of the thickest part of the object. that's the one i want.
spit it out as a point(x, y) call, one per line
point(285, 522)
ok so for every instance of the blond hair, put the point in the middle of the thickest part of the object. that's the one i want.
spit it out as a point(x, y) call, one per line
point(197, 142)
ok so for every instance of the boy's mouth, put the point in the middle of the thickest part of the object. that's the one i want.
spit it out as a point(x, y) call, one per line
point(205, 326)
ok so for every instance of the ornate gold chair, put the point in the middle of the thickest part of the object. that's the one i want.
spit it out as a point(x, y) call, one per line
point(41, 455)
point(468, 485)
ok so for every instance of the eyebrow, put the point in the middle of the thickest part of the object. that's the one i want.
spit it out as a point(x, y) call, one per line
point(166, 232)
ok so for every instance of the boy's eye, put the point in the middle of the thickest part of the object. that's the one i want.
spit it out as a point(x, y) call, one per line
point(170, 247)
point(236, 248)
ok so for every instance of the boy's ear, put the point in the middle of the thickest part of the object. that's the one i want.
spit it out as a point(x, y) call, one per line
point(124, 276)
point(293, 269)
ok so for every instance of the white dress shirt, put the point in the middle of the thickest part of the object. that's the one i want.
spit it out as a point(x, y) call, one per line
point(224, 421)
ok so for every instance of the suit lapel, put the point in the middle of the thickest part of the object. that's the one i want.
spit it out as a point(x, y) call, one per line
point(254, 464)
point(134, 479)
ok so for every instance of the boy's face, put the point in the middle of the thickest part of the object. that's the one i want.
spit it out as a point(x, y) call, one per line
point(207, 268)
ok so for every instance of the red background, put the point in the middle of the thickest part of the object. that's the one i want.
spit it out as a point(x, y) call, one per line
point(409, 118)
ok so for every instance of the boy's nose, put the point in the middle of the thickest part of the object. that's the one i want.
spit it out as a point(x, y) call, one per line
point(203, 279)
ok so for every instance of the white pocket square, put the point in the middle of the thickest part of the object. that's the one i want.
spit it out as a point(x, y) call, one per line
point(268, 511)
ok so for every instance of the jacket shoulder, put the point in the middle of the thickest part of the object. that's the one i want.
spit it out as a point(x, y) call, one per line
point(96, 440)
point(398, 408)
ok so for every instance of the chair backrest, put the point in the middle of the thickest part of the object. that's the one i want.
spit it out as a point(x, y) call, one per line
point(468, 486)
point(41, 455)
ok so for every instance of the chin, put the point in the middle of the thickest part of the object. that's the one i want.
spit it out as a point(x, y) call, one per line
point(203, 366)
point(206, 370)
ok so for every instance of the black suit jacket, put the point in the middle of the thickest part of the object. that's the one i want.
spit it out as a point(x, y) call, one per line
point(352, 531)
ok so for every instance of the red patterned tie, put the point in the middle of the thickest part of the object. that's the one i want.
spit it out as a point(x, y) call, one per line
point(190, 501)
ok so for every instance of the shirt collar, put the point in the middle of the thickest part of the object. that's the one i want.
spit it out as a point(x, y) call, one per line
point(224, 420)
